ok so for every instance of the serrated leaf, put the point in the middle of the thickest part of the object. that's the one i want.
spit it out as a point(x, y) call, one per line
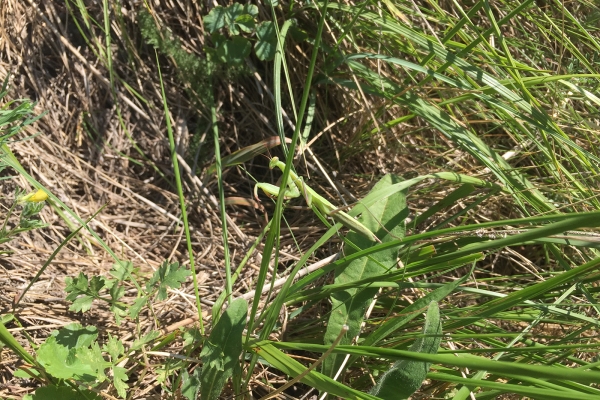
point(138, 343)
point(119, 379)
point(234, 51)
point(96, 285)
point(114, 347)
point(386, 218)
point(134, 310)
point(122, 270)
point(62, 363)
point(222, 350)
point(168, 276)
point(63, 393)
point(83, 304)
point(76, 286)
point(216, 19)
point(92, 356)
point(119, 312)
point(266, 46)
point(407, 376)
point(116, 291)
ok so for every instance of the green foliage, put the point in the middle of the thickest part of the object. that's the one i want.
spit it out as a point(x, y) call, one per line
point(192, 70)
point(266, 46)
point(349, 306)
point(239, 19)
point(27, 220)
point(167, 276)
point(221, 353)
point(74, 353)
point(406, 376)
point(52, 392)
point(82, 290)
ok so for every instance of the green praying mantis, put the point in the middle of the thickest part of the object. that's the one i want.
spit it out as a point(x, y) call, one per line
point(297, 187)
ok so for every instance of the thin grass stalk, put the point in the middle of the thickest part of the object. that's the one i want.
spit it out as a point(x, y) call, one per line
point(228, 285)
point(271, 319)
point(186, 227)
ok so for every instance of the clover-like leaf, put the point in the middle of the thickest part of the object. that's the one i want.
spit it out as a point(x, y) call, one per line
point(266, 46)
point(246, 23)
point(216, 19)
point(234, 51)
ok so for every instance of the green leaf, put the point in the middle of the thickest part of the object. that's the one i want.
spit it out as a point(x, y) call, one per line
point(242, 17)
point(222, 350)
point(80, 286)
point(75, 335)
point(138, 343)
point(119, 379)
point(216, 19)
point(246, 23)
point(291, 367)
point(234, 51)
point(386, 218)
point(64, 393)
point(122, 270)
point(82, 304)
point(266, 46)
point(114, 347)
point(407, 376)
point(168, 276)
point(190, 385)
point(63, 363)
point(135, 309)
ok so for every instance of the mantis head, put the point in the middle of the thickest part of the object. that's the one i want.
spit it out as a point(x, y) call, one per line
point(273, 163)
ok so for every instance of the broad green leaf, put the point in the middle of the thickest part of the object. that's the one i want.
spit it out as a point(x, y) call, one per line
point(216, 19)
point(75, 335)
point(64, 393)
point(266, 45)
point(82, 304)
point(234, 51)
point(406, 376)
point(114, 347)
point(386, 218)
point(246, 23)
point(63, 363)
point(222, 350)
point(190, 385)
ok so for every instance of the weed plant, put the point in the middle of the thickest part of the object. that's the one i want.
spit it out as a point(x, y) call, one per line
point(478, 125)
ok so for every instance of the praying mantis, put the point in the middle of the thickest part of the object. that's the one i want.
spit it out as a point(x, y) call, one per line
point(297, 187)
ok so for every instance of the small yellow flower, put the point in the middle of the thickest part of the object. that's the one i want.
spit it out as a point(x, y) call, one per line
point(35, 197)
